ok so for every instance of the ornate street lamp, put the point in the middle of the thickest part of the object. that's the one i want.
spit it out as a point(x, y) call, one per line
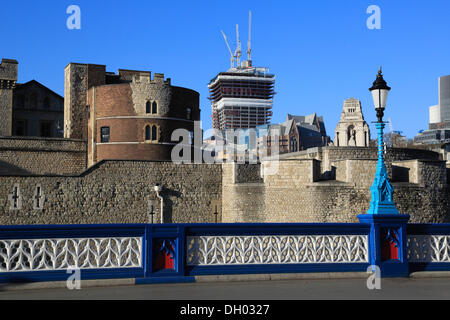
point(381, 190)
point(387, 238)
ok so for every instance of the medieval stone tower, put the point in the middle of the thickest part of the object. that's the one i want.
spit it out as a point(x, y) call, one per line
point(352, 130)
point(78, 79)
point(8, 79)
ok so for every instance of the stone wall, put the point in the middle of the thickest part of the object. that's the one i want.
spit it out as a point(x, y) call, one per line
point(39, 156)
point(248, 173)
point(115, 192)
point(356, 172)
point(294, 194)
point(329, 155)
point(291, 190)
point(78, 78)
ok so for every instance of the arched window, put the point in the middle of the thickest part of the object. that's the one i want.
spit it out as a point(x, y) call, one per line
point(147, 107)
point(154, 107)
point(154, 133)
point(147, 133)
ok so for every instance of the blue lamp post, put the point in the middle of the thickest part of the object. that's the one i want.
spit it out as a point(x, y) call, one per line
point(387, 238)
point(381, 190)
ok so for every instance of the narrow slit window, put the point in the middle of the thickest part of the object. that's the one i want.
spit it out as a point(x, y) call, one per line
point(147, 133)
point(104, 134)
point(154, 133)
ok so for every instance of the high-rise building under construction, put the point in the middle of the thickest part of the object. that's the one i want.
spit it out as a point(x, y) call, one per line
point(241, 97)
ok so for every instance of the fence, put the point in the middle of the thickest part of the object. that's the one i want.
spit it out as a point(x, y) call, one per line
point(178, 252)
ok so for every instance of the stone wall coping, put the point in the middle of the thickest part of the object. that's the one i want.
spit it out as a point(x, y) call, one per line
point(248, 184)
point(92, 168)
point(292, 160)
point(420, 160)
point(368, 159)
point(406, 184)
point(40, 138)
point(85, 64)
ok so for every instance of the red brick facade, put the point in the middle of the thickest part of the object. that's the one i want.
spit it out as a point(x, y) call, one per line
point(124, 110)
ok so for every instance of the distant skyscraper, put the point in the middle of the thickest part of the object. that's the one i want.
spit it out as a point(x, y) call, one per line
point(439, 126)
point(444, 98)
point(241, 97)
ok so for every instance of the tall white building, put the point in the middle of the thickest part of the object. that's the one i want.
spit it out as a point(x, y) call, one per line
point(435, 114)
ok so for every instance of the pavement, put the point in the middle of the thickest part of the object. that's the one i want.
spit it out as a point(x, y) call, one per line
point(423, 286)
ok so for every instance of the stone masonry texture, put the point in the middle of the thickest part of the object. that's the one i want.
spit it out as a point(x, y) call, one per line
point(116, 192)
point(119, 191)
point(39, 156)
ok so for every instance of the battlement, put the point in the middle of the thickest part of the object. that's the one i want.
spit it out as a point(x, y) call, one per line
point(142, 76)
point(8, 73)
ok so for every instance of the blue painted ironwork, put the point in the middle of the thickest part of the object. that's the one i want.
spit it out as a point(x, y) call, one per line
point(434, 241)
point(381, 190)
point(176, 235)
point(152, 234)
point(379, 222)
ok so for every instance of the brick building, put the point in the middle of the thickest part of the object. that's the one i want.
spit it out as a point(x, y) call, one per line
point(128, 115)
point(297, 133)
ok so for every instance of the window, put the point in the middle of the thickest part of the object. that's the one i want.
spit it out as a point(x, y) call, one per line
point(147, 107)
point(104, 134)
point(46, 128)
point(20, 128)
point(154, 107)
point(188, 113)
point(154, 133)
point(147, 133)
point(151, 133)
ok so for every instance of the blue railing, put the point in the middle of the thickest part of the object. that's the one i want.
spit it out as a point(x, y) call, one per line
point(178, 252)
point(165, 252)
point(429, 247)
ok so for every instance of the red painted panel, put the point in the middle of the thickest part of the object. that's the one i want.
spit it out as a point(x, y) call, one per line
point(389, 251)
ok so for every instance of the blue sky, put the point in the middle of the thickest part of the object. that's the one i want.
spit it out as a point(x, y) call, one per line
point(320, 51)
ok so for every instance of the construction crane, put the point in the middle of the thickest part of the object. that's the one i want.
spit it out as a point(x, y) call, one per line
point(238, 52)
point(249, 42)
point(238, 48)
point(229, 49)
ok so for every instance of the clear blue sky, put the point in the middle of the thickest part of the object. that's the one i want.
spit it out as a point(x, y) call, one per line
point(320, 51)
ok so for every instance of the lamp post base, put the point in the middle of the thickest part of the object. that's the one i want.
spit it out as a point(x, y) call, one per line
point(388, 243)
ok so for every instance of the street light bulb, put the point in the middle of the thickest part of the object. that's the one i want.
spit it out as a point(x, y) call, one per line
point(380, 91)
